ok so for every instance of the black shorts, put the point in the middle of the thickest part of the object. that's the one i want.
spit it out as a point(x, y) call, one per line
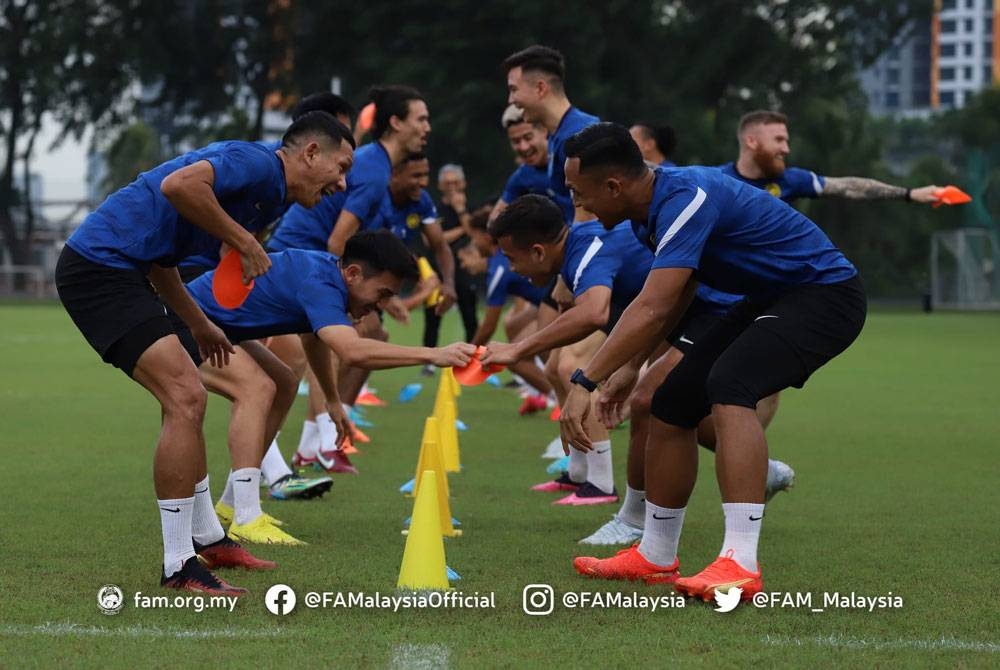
point(697, 320)
point(189, 273)
point(761, 347)
point(117, 310)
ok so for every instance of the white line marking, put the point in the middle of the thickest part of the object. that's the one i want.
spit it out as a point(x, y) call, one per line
point(50, 629)
point(419, 657)
point(815, 609)
point(840, 642)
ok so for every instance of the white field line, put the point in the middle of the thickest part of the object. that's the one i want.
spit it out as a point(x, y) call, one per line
point(80, 630)
point(420, 657)
point(841, 642)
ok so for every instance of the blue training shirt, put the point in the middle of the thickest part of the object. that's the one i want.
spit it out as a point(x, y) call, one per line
point(793, 183)
point(137, 226)
point(502, 281)
point(367, 184)
point(406, 221)
point(527, 179)
point(736, 237)
point(572, 122)
point(211, 258)
point(301, 293)
point(598, 257)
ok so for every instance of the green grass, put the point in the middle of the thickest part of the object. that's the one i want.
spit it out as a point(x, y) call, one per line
point(894, 443)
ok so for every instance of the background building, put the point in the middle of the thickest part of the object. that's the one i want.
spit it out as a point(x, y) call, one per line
point(937, 64)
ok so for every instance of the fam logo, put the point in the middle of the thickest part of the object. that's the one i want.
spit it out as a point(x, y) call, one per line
point(413, 221)
point(773, 189)
point(110, 599)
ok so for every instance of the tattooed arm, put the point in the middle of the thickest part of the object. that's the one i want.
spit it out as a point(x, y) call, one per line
point(862, 188)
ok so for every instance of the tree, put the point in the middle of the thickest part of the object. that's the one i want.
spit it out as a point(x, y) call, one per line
point(135, 150)
point(66, 58)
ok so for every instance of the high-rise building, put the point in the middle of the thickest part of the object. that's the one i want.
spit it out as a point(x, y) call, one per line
point(937, 64)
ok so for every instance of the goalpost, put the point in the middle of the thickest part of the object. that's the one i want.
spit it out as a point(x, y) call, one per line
point(964, 269)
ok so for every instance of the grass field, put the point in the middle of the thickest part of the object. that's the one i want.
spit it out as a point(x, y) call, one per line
point(895, 445)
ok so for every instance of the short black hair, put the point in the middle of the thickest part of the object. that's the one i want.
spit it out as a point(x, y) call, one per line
point(530, 219)
point(664, 136)
point(317, 123)
point(391, 101)
point(606, 145)
point(380, 251)
point(537, 58)
point(324, 101)
point(480, 219)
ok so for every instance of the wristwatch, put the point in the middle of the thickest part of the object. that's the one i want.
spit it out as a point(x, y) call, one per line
point(580, 379)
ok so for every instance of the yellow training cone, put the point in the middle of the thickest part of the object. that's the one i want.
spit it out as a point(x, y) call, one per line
point(449, 438)
point(432, 457)
point(456, 388)
point(433, 460)
point(445, 392)
point(423, 558)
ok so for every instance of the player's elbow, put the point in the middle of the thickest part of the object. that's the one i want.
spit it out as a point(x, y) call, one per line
point(598, 318)
point(172, 186)
point(351, 357)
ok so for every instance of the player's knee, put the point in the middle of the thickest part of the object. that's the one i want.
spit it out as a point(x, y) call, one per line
point(552, 370)
point(640, 402)
point(286, 385)
point(186, 400)
point(566, 367)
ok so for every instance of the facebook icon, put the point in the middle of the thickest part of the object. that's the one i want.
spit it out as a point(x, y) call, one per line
point(280, 599)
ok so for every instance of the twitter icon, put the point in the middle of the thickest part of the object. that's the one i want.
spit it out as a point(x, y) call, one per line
point(728, 601)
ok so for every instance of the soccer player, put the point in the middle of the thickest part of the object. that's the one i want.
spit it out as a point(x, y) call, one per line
point(408, 211)
point(705, 311)
point(530, 143)
point(804, 306)
point(501, 283)
point(400, 126)
point(308, 293)
point(535, 84)
point(602, 271)
point(226, 192)
point(657, 143)
point(763, 139)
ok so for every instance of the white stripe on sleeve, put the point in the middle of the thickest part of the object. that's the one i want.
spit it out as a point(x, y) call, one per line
point(592, 250)
point(497, 276)
point(682, 218)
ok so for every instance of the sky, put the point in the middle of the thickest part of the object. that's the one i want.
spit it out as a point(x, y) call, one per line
point(63, 171)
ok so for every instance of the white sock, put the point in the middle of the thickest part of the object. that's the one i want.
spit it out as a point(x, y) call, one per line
point(175, 522)
point(227, 491)
point(633, 511)
point(246, 493)
point(205, 526)
point(274, 467)
point(577, 466)
point(308, 443)
point(327, 432)
point(599, 470)
point(742, 533)
point(661, 534)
